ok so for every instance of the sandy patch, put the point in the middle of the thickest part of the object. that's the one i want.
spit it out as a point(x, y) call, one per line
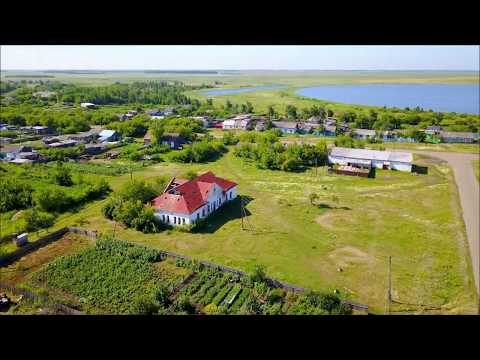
point(332, 219)
point(349, 255)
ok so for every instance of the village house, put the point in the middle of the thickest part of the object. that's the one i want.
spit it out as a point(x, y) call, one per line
point(87, 105)
point(185, 202)
point(204, 119)
point(458, 137)
point(38, 130)
point(44, 94)
point(286, 127)
point(218, 123)
point(94, 149)
point(85, 136)
point(153, 112)
point(433, 130)
point(260, 125)
point(174, 140)
point(241, 122)
point(147, 139)
point(365, 158)
point(63, 144)
point(108, 136)
point(364, 134)
point(21, 155)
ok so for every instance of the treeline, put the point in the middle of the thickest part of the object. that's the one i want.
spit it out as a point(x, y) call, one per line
point(384, 118)
point(64, 122)
point(266, 151)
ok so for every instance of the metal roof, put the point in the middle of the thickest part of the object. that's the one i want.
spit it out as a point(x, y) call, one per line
point(106, 133)
point(366, 154)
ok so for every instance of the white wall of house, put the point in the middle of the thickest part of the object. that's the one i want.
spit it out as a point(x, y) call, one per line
point(215, 200)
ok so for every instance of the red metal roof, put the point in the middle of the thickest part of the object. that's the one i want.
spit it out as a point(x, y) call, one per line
point(189, 196)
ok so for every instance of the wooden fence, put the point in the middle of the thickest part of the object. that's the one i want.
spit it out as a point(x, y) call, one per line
point(44, 299)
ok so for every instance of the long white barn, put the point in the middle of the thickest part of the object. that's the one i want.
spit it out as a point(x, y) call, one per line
point(371, 158)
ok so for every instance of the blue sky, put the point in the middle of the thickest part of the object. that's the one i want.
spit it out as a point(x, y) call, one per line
point(241, 57)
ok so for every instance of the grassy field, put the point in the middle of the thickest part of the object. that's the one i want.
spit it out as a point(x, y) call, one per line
point(461, 148)
point(306, 245)
point(260, 77)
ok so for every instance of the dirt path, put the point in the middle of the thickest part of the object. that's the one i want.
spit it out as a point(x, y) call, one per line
point(468, 188)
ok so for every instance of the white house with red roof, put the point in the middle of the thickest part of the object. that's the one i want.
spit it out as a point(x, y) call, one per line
point(184, 202)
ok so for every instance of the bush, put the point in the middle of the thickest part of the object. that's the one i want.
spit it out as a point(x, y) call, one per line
point(258, 274)
point(14, 194)
point(36, 219)
point(62, 175)
point(189, 175)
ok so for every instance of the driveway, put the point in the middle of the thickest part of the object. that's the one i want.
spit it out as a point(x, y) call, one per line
point(468, 188)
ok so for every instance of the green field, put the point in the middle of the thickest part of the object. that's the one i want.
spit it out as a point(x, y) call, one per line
point(253, 78)
point(415, 219)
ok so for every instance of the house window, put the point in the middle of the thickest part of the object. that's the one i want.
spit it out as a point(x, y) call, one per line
point(208, 207)
point(203, 212)
point(198, 216)
point(174, 219)
point(168, 218)
point(163, 218)
point(183, 221)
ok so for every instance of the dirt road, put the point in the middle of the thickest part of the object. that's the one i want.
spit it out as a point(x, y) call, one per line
point(468, 188)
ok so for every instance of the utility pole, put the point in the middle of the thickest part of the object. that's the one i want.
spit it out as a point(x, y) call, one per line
point(241, 211)
point(389, 295)
point(316, 166)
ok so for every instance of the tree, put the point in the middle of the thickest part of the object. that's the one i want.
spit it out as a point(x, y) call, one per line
point(271, 112)
point(258, 274)
point(35, 219)
point(291, 112)
point(62, 175)
point(313, 197)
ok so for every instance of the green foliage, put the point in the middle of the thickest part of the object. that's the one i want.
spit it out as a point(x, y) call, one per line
point(189, 175)
point(36, 220)
point(258, 274)
point(128, 207)
point(137, 190)
point(63, 154)
point(118, 284)
point(268, 153)
point(314, 303)
point(14, 194)
point(135, 127)
point(62, 175)
point(199, 152)
point(229, 138)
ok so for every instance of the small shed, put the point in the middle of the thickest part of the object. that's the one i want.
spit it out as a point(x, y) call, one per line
point(21, 239)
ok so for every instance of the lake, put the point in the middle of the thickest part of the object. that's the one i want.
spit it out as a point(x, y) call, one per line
point(460, 98)
point(241, 90)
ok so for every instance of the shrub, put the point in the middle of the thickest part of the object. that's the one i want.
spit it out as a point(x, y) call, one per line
point(36, 219)
point(62, 175)
point(14, 194)
point(258, 274)
point(210, 309)
point(190, 174)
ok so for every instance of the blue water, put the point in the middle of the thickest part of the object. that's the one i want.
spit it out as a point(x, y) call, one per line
point(460, 98)
point(241, 90)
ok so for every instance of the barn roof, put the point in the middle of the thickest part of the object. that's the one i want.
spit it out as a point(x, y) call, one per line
point(366, 154)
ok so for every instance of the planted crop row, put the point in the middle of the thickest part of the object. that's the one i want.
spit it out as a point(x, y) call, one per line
point(239, 302)
point(222, 295)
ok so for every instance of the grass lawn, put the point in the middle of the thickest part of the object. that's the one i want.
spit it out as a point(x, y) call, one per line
point(415, 219)
point(461, 148)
